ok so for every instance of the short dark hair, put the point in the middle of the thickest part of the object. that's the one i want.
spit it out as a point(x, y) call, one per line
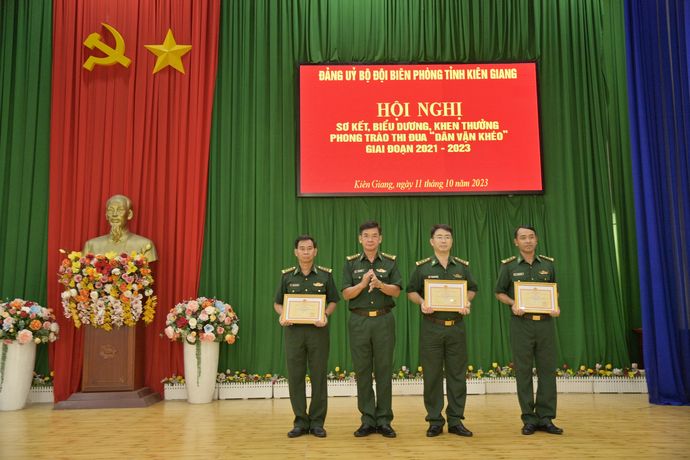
point(441, 227)
point(370, 224)
point(526, 227)
point(304, 238)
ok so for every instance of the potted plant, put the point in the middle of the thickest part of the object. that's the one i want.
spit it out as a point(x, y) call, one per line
point(24, 324)
point(201, 325)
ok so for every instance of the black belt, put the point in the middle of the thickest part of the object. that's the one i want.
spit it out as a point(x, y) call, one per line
point(535, 317)
point(449, 322)
point(372, 313)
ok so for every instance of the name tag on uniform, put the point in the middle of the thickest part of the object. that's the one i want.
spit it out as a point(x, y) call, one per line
point(432, 276)
point(359, 271)
point(294, 285)
point(519, 274)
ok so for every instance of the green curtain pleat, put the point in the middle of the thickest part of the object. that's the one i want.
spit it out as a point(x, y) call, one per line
point(254, 214)
point(25, 69)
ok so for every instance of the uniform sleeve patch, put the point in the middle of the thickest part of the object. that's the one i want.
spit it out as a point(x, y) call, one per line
point(388, 256)
point(423, 261)
point(509, 259)
point(287, 270)
point(328, 270)
point(464, 262)
point(546, 257)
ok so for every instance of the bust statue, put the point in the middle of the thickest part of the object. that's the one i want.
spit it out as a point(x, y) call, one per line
point(118, 211)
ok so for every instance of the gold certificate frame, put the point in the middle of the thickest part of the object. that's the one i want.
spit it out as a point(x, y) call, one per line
point(303, 308)
point(445, 295)
point(536, 298)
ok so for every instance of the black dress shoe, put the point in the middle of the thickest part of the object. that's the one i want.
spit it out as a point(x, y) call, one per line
point(297, 431)
point(528, 428)
point(386, 431)
point(365, 430)
point(318, 431)
point(550, 428)
point(460, 430)
point(434, 430)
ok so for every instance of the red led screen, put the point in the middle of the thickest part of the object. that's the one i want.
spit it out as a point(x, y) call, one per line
point(419, 129)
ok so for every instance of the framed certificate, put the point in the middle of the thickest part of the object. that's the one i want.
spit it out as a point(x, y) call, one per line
point(536, 297)
point(304, 308)
point(445, 295)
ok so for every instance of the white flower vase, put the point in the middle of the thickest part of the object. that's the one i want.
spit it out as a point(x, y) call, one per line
point(16, 373)
point(200, 376)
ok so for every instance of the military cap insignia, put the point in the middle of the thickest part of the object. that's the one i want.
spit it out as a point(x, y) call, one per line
point(287, 270)
point(388, 256)
point(543, 272)
point(546, 257)
point(423, 261)
point(464, 262)
point(457, 275)
point(509, 259)
point(318, 284)
point(381, 270)
point(353, 256)
point(328, 270)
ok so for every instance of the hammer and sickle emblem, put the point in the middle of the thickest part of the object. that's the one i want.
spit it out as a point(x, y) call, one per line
point(114, 55)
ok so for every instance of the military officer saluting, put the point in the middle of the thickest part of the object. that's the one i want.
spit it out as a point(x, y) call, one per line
point(305, 342)
point(532, 337)
point(371, 280)
point(442, 337)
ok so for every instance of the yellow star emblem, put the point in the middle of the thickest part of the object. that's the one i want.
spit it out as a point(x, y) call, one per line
point(169, 53)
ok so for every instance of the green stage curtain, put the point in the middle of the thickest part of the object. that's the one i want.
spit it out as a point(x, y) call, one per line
point(253, 214)
point(25, 63)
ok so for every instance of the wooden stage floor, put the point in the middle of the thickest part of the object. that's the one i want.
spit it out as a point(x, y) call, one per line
point(596, 426)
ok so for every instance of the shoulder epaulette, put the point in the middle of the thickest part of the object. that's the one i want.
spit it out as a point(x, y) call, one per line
point(464, 262)
point(353, 256)
point(509, 259)
point(291, 269)
point(423, 261)
point(388, 256)
point(328, 270)
point(546, 257)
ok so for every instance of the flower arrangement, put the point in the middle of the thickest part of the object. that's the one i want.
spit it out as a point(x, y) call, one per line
point(405, 373)
point(230, 377)
point(505, 371)
point(244, 377)
point(342, 376)
point(174, 380)
point(25, 322)
point(106, 290)
point(202, 319)
point(41, 380)
point(470, 374)
point(601, 371)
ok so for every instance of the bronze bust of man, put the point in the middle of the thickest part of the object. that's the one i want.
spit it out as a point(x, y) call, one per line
point(118, 212)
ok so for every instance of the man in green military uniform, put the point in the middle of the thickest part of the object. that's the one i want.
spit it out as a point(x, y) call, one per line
point(442, 337)
point(305, 342)
point(532, 337)
point(370, 281)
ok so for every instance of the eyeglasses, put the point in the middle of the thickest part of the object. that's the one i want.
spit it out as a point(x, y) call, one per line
point(366, 236)
point(443, 237)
